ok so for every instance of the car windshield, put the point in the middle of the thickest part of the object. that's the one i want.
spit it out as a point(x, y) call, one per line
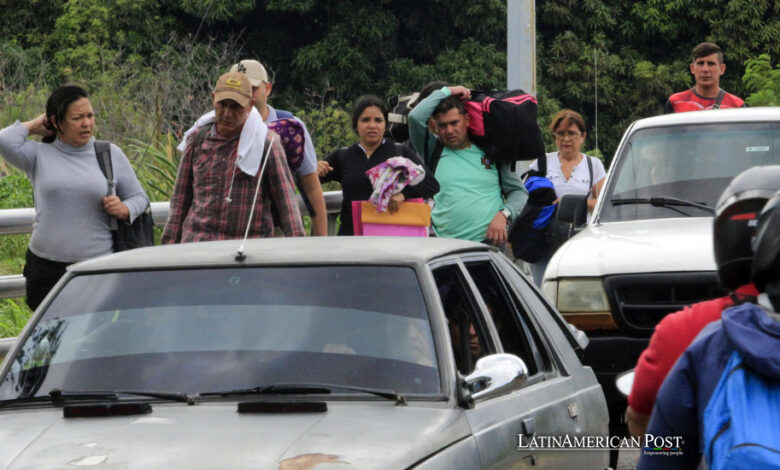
point(663, 169)
point(207, 330)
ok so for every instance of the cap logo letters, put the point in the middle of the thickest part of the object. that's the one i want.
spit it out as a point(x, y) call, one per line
point(242, 68)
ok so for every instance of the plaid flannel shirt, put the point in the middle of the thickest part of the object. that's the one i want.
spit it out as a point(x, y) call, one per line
point(199, 209)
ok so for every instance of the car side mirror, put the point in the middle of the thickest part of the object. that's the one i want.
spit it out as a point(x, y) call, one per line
point(573, 209)
point(624, 381)
point(5, 346)
point(496, 374)
point(579, 336)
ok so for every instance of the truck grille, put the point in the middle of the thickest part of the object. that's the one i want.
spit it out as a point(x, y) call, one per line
point(640, 301)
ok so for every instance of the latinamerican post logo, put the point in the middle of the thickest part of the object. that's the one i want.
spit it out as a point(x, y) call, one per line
point(650, 444)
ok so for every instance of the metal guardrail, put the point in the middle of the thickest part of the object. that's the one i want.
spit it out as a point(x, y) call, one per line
point(20, 221)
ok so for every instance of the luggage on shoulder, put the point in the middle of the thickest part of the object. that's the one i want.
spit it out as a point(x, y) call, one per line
point(504, 122)
point(742, 420)
point(398, 117)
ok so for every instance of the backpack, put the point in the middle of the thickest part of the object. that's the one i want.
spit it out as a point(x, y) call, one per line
point(398, 117)
point(535, 234)
point(504, 124)
point(742, 420)
point(125, 236)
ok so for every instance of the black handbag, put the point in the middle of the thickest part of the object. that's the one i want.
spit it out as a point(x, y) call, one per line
point(126, 236)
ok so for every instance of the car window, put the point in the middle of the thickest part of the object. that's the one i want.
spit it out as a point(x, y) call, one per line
point(215, 329)
point(693, 162)
point(467, 330)
point(508, 315)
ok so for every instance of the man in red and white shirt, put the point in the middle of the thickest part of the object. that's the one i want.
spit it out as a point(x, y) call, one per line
point(706, 68)
point(214, 195)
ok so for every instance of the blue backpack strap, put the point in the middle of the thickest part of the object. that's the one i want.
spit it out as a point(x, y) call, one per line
point(282, 114)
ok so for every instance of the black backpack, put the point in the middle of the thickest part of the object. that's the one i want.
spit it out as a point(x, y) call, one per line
point(503, 123)
point(126, 236)
point(398, 117)
point(535, 234)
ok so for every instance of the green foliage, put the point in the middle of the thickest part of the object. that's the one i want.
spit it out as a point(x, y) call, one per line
point(297, 6)
point(330, 128)
point(762, 81)
point(15, 188)
point(486, 69)
point(156, 165)
point(13, 316)
point(93, 36)
point(15, 191)
point(217, 10)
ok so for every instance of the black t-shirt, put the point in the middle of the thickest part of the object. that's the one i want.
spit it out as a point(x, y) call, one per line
point(349, 168)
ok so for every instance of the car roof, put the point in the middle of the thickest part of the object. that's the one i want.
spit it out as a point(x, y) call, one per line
point(283, 251)
point(711, 116)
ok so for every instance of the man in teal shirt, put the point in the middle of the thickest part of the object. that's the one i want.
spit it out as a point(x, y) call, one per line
point(474, 203)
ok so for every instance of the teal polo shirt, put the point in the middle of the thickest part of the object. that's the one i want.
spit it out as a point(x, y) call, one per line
point(470, 194)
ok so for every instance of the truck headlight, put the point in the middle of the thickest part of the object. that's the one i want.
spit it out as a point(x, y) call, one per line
point(550, 290)
point(582, 295)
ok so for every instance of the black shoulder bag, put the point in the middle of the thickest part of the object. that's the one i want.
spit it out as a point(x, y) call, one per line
point(126, 236)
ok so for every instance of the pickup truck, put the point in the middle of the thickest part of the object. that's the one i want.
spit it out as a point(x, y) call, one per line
point(647, 249)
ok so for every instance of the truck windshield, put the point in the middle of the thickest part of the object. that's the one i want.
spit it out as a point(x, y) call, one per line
point(692, 164)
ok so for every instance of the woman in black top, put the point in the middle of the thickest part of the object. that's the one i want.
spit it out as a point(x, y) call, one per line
point(348, 165)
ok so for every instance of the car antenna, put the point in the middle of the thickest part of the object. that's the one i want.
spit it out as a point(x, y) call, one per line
point(240, 255)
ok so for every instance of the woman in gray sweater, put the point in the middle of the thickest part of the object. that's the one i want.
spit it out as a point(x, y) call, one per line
point(73, 206)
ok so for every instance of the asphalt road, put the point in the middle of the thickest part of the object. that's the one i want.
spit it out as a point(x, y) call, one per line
point(627, 459)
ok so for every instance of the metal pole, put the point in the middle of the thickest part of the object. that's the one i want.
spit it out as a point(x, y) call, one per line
point(521, 45)
point(521, 51)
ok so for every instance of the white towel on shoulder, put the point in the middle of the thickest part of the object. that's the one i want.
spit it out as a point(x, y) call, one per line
point(250, 142)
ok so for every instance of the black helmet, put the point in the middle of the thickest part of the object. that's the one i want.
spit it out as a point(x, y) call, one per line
point(766, 265)
point(736, 217)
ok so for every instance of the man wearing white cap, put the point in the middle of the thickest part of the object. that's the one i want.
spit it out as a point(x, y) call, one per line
point(307, 173)
point(232, 171)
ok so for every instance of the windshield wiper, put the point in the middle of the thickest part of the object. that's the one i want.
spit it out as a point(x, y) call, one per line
point(312, 388)
point(662, 201)
point(59, 396)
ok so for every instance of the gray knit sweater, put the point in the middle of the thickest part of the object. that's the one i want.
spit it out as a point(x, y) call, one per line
point(70, 224)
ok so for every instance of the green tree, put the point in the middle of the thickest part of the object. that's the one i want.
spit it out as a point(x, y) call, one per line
point(762, 81)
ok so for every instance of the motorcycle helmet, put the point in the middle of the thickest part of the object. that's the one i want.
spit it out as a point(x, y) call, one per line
point(736, 219)
point(766, 264)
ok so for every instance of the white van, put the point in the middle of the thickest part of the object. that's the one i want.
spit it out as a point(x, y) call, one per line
point(647, 250)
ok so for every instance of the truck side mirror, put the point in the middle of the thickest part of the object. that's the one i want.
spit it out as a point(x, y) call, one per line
point(573, 209)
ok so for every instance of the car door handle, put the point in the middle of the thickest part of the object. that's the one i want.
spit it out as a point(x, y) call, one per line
point(529, 429)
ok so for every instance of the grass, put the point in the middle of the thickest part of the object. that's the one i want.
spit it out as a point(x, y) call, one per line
point(14, 314)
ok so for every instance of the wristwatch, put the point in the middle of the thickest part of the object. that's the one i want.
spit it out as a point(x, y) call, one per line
point(507, 213)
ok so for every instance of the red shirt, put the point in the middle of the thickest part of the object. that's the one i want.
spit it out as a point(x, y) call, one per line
point(671, 338)
point(199, 208)
point(689, 100)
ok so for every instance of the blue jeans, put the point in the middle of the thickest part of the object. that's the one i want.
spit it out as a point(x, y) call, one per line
point(537, 270)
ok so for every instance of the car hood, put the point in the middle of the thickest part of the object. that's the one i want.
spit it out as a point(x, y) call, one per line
point(214, 435)
point(638, 246)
